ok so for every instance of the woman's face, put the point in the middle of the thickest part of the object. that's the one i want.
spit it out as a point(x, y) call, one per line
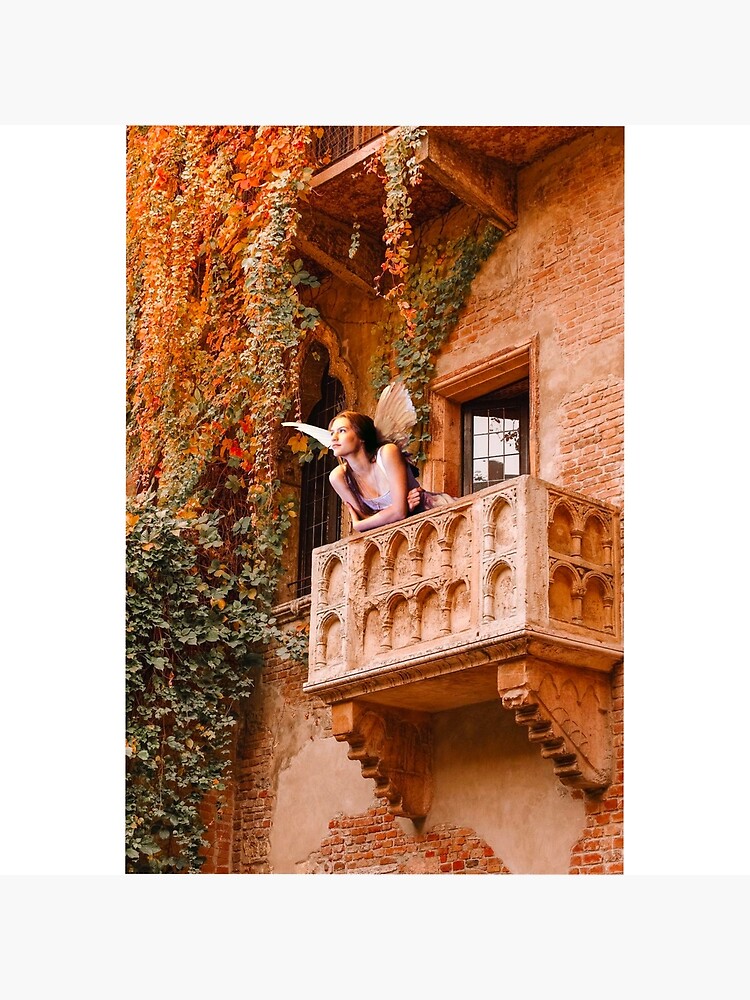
point(346, 441)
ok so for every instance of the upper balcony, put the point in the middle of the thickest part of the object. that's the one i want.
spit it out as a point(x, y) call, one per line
point(510, 593)
point(476, 166)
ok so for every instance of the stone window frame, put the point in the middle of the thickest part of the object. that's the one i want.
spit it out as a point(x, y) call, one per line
point(448, 393)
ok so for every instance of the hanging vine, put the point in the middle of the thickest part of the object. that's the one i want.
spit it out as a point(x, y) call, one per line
point(396, 165)
point(435, 290)
point(429, 286)
point(215, 317)
point(214, 323)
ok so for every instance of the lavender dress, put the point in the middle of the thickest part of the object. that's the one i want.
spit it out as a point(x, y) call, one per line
point(429, 500)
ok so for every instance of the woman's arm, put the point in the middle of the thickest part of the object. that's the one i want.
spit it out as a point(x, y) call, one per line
point(337, 479)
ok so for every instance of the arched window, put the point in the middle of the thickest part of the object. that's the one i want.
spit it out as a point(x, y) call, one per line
point(320, 507)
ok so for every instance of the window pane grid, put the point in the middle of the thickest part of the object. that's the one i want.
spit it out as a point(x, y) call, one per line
point(495, 438)
point(495, 447)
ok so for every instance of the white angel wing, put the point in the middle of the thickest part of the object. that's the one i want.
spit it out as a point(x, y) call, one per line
point(319, 433)
point(395, 415)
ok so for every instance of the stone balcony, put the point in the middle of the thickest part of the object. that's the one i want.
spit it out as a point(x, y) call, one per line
point(509, 593)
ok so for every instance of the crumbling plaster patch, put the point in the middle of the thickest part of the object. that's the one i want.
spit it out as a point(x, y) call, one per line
point(318, 783)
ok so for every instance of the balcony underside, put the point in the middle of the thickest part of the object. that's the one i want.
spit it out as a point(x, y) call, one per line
point(475, 166)
point(438, 680)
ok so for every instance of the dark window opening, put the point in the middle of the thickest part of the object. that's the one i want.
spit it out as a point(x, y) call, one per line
point(320, 506)
point(496, 437)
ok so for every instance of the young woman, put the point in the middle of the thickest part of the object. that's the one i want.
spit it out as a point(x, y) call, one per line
point(375, 481)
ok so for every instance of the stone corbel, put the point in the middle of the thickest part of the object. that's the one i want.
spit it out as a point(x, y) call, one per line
point(486, 183)
point(567, 712)
point(394, 748)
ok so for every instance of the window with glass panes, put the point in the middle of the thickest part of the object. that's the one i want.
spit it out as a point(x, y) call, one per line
point(496, 437)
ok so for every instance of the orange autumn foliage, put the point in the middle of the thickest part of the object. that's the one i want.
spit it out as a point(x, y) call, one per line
point(210, 216)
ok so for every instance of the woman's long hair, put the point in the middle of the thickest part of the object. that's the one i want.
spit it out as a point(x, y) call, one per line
point(364, 428)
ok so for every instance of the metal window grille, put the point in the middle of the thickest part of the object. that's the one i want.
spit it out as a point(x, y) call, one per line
point(339, 140)
point(320, 506)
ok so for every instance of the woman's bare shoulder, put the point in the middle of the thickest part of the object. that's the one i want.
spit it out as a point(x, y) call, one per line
point(390, 453)
point(337, 475)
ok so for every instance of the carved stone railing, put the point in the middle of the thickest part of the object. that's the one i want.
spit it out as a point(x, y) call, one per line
point(510, 593)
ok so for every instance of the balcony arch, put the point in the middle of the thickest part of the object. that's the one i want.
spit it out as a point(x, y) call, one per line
point(499, 591)
point(331, 641)
point(427, 544)
point(372, 569)
point(500, 525)
point(400, 623)
point(458, 605)
point(398, 559)
point(331, 568)
point(596, 602)
point(596, 532)
point(458, 536)
point(562, 527)
point(564, 593)
point(375, 636)
point(428, 616)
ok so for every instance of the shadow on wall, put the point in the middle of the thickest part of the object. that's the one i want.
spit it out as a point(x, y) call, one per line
point(487, 777)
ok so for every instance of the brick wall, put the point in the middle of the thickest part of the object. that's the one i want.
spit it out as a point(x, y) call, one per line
point(592, 436)
point(599, 851)
point(254, 766)
point(373, 843)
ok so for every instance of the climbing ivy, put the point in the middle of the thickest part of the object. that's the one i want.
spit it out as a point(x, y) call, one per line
point(430, 283)
point(214, 320)
point(194, 628)
point(396, 165)
point(216, 311)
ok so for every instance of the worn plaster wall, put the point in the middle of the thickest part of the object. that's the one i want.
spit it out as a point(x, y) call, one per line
point(486, 778)
point(317, 783)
